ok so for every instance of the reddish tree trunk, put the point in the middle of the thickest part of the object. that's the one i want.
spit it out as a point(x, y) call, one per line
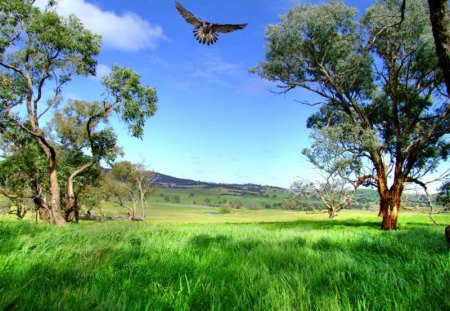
point(54, 204)
point(390, 202)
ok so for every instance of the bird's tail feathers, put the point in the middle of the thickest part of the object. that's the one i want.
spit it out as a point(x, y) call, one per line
point(205, 38)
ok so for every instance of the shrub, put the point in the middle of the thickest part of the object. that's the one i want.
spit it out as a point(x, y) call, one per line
point(225, 210)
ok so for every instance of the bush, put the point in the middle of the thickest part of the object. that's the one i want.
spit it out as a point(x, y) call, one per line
point(225, 210)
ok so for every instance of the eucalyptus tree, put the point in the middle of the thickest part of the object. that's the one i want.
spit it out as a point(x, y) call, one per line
point(83, 127)
point(42, 51)
point(385, 112)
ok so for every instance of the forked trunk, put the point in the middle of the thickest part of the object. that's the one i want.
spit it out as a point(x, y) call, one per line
point(71, 210)
point(55, 216)
point(390, 202)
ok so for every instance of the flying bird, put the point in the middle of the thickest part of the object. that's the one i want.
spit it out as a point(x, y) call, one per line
point(206, 32)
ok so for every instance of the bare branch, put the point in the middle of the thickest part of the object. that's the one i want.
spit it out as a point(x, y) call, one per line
point(429, 201)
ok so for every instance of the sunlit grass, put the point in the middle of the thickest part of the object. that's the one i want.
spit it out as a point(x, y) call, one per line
point(251, 260)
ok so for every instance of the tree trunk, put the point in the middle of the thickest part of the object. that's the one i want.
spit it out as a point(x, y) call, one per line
point(70, 200)
point(54, 204)
point(439, 18)
point(56, 217)
point(42, 208)
point(331, 214)
point(143, 205)
point(390, 202)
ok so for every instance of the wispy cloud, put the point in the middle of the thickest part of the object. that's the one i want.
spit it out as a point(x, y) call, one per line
point(210, 68)
point(212, 65)
point(102, 71)
point(127, 32)
point(207, 70)
point(256, 86)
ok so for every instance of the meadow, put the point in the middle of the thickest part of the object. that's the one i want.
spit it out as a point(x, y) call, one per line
point(193, 258)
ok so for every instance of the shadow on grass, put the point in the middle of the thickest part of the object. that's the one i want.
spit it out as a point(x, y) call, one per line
point(336, 224)
point(320, 224)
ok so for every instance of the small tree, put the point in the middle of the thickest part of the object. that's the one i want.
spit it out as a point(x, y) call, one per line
point(333, 192)
point(132, 182)
point(237, 203)
point(144, 182)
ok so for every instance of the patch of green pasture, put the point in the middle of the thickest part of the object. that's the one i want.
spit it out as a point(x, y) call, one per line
point(215, 197)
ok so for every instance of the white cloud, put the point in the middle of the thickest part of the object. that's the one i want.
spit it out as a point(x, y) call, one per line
point(127, 32)
point(102, 71)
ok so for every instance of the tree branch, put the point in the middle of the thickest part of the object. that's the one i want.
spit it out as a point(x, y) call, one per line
point(429, 201)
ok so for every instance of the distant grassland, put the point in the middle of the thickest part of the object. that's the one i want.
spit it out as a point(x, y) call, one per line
point(217, 197)
point(185, 259)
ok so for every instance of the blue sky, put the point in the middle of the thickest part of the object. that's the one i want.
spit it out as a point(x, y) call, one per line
point(215, 121)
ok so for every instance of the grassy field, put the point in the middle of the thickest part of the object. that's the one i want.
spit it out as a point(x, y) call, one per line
point(217, 197)
point(187, 259)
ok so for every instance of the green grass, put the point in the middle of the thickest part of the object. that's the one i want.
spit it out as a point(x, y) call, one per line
point(258, 260)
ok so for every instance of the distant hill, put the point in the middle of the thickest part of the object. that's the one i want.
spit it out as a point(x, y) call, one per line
point(170, 182)
point(162, 181)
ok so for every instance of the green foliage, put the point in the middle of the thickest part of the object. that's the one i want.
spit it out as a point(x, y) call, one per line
point(342, 265)
point(137, 102)
point(24, 171)
point(84, 127)
point(309, 34)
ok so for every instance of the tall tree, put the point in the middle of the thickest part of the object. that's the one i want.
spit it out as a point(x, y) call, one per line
point(384, 109)
point(37, 48)
point(46, 48)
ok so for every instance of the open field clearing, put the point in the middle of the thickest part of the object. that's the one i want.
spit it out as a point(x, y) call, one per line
point(186, 259)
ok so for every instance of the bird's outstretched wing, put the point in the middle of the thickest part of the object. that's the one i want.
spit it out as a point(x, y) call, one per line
point(227, 27)
point(188, 16)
